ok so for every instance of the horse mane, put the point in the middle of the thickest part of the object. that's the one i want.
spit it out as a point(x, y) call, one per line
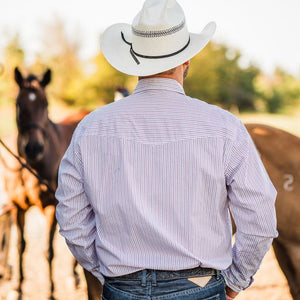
point(31, 78)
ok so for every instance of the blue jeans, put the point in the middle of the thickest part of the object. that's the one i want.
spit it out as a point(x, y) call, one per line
point(162, 285)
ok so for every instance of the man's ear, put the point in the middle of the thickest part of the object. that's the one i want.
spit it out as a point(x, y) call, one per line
point(186, 67)
point(46, 78)
point(18, 77)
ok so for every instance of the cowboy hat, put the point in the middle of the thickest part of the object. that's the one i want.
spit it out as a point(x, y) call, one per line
point(156, 41)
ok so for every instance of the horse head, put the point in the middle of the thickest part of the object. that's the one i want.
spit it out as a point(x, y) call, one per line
point(32, 115)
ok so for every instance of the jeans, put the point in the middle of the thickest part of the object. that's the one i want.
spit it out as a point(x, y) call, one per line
point(162, 285)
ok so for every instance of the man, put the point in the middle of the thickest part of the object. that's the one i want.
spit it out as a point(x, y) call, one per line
point(147, 182)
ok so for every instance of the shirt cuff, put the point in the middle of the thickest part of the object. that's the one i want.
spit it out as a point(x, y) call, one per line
point(234, 285)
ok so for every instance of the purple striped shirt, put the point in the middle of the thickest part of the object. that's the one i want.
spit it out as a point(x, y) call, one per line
point(147, 183)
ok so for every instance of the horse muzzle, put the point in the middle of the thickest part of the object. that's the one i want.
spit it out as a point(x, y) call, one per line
point(34, 151)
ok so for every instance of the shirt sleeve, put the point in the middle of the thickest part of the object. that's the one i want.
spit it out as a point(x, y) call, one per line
point(74, 213)
point(251, 197)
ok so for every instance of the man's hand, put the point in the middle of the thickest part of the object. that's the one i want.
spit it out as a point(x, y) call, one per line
point(230, 294)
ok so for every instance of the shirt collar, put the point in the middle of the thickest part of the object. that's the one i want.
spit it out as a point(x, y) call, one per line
point(159, 83)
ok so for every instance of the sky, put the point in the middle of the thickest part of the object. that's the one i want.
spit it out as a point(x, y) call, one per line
point(267, 32)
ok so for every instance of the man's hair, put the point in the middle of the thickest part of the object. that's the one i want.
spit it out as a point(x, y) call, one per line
point(168, 72)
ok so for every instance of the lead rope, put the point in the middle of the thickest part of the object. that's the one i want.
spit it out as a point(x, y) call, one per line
point(26, 166)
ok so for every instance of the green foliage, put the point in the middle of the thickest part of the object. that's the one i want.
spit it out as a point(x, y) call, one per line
point(217, 78)
point(13, 55)
point(279, 91)
point(275, 102)
point(100, 85)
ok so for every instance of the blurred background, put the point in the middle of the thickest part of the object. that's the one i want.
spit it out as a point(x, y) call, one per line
point(252, 67)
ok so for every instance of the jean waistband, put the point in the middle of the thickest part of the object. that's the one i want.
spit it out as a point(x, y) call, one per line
point(166, 275)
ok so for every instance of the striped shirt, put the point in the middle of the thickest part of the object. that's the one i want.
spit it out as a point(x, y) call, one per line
point(147, 183)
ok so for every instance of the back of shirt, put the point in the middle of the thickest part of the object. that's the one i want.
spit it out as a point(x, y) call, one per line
point(157, 169)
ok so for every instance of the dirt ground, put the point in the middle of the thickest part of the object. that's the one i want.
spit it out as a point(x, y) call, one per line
point(269, 283)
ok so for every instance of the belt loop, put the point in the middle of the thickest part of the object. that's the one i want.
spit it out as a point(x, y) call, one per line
point(144, 278)
point(218, 274)
point(153, 275)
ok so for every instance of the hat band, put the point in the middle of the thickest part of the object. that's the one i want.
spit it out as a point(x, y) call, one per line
point(135, 54)
point(158, 33)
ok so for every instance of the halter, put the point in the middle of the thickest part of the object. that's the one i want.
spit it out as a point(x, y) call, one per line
point(26, 166)
point(32, 126)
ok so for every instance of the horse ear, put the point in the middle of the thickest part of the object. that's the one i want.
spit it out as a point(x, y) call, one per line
point(18, 77)
point(46, 79)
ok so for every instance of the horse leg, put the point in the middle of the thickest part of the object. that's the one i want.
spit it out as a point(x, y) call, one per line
point(51, 224)
point(21, 246)
point(288, 257)
point(75, 273)
point(94, 287)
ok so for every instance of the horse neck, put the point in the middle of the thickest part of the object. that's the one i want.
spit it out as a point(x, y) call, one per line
point(54, 132)
point(58, 139)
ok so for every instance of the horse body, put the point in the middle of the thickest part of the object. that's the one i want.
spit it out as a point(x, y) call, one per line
point(280, 153)
point(42, 144)
point(54, 145)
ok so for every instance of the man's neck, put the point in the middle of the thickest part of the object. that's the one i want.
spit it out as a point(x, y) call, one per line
point(175, 74)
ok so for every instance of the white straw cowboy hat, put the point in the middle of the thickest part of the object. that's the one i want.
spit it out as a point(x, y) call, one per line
point(157, 40)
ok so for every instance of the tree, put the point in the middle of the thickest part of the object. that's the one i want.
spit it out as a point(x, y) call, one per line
point(100, 85)
point(60, 52)
point(278, 91)
point(13, 56)
point(217, 78)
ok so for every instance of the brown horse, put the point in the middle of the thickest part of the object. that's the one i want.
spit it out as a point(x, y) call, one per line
point(23, 190)
point(42, 144)
point(280, 153)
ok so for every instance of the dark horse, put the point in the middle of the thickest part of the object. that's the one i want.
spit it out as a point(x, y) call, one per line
point(42, 144)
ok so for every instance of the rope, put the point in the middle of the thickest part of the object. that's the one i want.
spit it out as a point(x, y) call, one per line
point(26, 166)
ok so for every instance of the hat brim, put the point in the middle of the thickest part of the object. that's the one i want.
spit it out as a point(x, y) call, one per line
point(117, 52)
